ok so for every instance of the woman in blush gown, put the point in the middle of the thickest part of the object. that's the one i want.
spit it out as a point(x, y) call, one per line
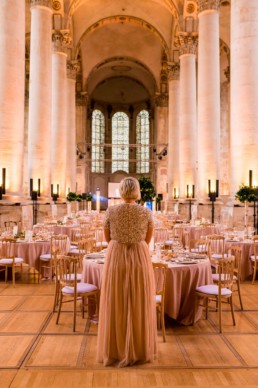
point(127, 318)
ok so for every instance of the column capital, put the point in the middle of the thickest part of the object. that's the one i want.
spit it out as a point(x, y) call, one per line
point(161, 100)
point(187, 42)
point(72, 68)
point(61, 39)
point(173, 71)
point(42, 3)
point(82, 98)
point(206, 5)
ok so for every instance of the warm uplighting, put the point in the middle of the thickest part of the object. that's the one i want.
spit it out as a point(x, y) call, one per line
point(98, 199)
point(54, 192)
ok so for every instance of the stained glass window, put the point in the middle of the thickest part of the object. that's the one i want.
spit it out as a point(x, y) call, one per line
point(142, 142)
point(98, 138)
point(120, 141)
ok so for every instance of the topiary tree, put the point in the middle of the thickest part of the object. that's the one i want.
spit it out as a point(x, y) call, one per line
point(245, 194)
point(147, 189)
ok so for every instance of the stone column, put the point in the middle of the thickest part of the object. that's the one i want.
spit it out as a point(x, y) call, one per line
point(12, 80)
point(225, 135)
point(161, 140)
point(208, 95)
point(173, 129)
point(244, 92)
point(39, 123)
point(187, 112)
point(71, 127)
point(59, 111)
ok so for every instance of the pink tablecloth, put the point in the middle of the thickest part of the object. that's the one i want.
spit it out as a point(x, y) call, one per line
point(247, 251)
point(181, 282)
point(31, 251)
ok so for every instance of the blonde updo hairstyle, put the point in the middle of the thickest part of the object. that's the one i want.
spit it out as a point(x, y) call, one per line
point(129, 188)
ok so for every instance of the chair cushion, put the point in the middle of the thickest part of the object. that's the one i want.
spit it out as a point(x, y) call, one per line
point(77, 251)
point(169, 242)
point(17, 260)
point(82, 288)
point(213, 289)
point(217, 256)
point(72, 246)
point(158, 298)
point(46, 256)
point(253, 258)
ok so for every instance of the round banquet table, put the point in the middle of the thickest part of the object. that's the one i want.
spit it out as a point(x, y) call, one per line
point(31, 251)
point(181, 282)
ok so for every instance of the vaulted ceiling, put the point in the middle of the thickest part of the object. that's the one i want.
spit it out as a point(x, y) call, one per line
point(120, 43)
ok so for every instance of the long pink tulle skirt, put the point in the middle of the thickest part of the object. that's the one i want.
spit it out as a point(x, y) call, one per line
point(127, 318)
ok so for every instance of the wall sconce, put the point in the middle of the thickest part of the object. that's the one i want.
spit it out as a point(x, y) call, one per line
point(35, 191)
point(54, 194)
point(176, 195)
point(213, 194)
point(2, 186)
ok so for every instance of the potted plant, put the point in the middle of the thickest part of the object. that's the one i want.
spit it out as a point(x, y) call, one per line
point(245, 194)
point(73, 198)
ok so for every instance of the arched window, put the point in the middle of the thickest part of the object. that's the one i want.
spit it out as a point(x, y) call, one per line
point(142, 142)
point(97, 138)
point(120, 141)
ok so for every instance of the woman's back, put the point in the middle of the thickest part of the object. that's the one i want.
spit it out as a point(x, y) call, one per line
point(128, 223)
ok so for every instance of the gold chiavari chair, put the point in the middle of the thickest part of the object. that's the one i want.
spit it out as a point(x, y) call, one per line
point(160, 270)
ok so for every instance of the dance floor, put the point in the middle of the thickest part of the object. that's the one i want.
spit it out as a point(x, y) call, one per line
point(35, 352)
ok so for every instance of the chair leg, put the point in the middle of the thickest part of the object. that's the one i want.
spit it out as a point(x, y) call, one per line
point(57, 290)
point(163, 324)
point(59, 307)
point(232, 310)
point(254, 272)
point(74, 311)
point(220, 312)
point(239, 294)
point(13, 275)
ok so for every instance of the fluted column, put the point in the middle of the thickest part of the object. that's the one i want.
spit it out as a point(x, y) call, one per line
point(187, 112)
point(39, 123)
point(208, 95)
point(71, 127)
point(244, 92)
point(59, 111)
point(173, 129)
point(12, 72)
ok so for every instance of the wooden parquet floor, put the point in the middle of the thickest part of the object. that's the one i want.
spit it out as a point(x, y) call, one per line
point(35, 352)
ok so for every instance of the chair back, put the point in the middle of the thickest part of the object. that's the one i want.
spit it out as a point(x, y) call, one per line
point(217, 244)
point(160, 235)
point(226, 269)
point(160, 270)
point(236, 252)
point(66, 270)
point(59, 244)
point(7, 248)
point(200, 246)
